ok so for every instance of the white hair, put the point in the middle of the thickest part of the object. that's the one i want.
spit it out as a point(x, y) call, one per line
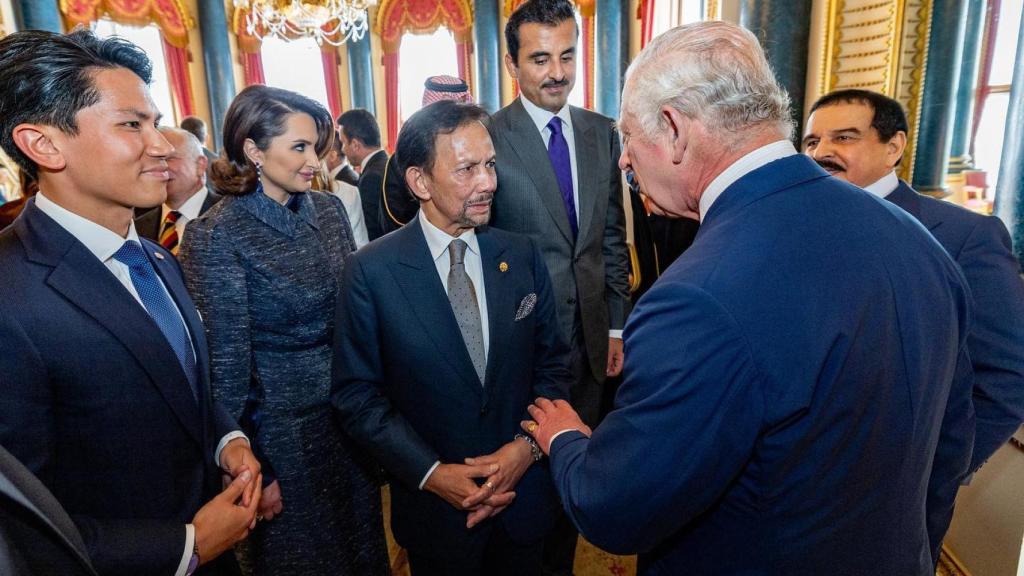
point(713, 72)
point(194, 146)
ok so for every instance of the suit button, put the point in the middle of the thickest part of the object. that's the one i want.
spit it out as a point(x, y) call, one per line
point(570, 301)
point(483, 411)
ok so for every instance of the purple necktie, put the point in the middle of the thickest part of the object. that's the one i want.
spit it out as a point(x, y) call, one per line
point(558, 152)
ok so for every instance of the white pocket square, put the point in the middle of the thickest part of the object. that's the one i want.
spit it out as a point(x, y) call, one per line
point(526, 306)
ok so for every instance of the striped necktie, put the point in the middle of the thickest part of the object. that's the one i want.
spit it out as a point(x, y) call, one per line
point(169, 232)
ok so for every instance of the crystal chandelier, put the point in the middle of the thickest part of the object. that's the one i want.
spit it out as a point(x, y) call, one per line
point(331, 21)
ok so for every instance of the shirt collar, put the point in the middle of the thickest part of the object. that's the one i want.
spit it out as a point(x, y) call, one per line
point(541, 117)
point(885, 185)
point(191, 208)
point(362, 165)
point(103, 243)
point(438, 240)
point(742, 167)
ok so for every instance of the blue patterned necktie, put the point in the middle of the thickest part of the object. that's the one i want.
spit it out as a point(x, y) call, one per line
point(160, 307)
point(558, 152)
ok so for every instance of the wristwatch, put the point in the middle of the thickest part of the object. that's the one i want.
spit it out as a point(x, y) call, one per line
point(535, 450)
point(193, 562)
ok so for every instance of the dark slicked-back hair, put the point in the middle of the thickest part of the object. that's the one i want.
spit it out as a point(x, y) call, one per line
point(360, 124)
point(547, 12)
point(260, 113)
point(46, 78)
point(417, 142)
point(196, 127)
point(888, 119)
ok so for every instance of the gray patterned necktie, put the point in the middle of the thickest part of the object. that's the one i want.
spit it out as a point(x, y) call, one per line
point(465, 306)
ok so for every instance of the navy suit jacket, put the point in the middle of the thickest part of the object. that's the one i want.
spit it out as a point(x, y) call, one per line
point(406, 389)
point(95, 402)
point(981, 246)
point(785, 381)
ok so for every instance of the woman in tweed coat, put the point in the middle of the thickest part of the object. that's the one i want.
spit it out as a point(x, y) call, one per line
point(263, 267)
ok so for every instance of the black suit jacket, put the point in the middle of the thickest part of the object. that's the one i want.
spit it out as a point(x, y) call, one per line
point(148, 223)
point(96, 403)
point(981, 246)
point(348, 175)
point(36, 535)
point(398, 205)
point(406, 389)
point(371, 182)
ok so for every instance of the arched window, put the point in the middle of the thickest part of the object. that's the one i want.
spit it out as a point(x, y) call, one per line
point(423, 56)
point(295, 65)
point(147, 38)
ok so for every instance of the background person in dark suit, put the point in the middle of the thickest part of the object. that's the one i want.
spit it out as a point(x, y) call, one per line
point(195, 126)
point(105, 367)
point(446, 331)
point(788, 376)
point(860, 136)
point(188, 195)
point(559, 184)
point(360, 141)
point(37, 537)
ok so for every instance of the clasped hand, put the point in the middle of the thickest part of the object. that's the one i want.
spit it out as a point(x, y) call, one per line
point(500, 472)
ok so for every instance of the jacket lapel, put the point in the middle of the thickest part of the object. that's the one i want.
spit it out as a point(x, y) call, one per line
point(87, 284)
point(586, 180)
point(500, 302)
point(909, 200)
point(529, 146)
point(416, 275)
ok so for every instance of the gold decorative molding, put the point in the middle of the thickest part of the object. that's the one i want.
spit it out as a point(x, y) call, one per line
point(913, 64)
point(950, 564)
point(713, 10)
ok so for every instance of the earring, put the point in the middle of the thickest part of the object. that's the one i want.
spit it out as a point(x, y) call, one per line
point(259, 177)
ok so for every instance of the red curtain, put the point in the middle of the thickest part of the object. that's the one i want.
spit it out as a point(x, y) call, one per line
point(464, 52)
point(645, 12)
point(330, 62)
point(987, 50)
point(390, 61)
point(252, 67)
point(181, 84)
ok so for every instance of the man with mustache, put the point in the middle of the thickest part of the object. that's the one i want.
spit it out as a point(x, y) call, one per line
point(859, 136)
point(558, 182)
point(446, 330)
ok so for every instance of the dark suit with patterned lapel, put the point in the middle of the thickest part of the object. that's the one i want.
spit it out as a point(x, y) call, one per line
point(97, 405)
point(148, 224)
point(590, 274)
point(406, 389)
point(36, 535)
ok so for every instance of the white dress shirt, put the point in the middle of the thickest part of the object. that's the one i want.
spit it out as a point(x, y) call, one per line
point(740, 168)
point(104, 243)
point(437, 242)
point(885, 185)
point(349, 196)
point(189, 211)
point(540, 118)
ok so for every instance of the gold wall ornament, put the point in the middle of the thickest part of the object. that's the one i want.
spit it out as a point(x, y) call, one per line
point(713, 10)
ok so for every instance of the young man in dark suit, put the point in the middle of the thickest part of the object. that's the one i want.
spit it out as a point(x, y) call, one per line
point(789, 377)
point(188, 196)
point(859, 136)
point(105, 367)
point(559, 183)
point(446, 330)
point(360, 142)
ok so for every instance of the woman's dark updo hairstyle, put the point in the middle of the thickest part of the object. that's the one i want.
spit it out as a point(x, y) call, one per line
point(259, 113)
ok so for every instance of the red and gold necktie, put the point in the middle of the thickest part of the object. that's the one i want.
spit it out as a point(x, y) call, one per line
point(168, 232)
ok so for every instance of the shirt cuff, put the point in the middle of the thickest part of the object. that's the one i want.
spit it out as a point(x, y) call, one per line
point(224, 442)
point(556, 435)
point(190, 544)
point(615, 334)
point(429, 472)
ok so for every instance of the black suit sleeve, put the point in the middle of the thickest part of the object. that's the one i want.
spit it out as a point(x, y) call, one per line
point(28, 431)
point(358, 375)
point(370, 186)
point(616, 253)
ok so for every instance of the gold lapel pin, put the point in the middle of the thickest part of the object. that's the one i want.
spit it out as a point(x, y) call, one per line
point(503, 266)
point(158, 255)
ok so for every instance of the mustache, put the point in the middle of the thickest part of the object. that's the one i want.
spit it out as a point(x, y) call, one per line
point(486, 197)
point(555, 83)
point(830, 165)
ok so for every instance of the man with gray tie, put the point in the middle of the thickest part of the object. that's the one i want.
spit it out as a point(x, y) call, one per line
point(559, 183)
point(446, 330)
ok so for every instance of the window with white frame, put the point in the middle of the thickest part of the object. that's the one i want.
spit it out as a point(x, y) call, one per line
point(671, 13)
point(148, 38)
point(295, 65)
point(420, 57)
